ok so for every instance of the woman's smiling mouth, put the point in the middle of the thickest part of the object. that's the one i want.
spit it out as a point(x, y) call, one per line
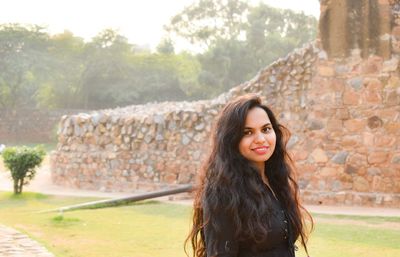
point(261, 150)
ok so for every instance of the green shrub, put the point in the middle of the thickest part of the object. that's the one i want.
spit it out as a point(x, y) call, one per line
point(21, 161)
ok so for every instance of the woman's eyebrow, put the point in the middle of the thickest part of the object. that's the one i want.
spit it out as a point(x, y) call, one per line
point(267, 124)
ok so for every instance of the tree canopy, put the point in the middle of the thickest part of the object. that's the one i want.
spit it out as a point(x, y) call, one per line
point(239, 39)
point(39, 70)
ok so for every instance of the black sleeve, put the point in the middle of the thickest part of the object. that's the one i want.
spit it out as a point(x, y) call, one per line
point(221, 243)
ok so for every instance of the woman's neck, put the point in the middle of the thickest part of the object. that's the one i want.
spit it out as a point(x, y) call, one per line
point(266, 182)
point(260, 167)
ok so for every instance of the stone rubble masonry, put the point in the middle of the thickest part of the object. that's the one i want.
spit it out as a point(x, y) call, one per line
point(343, 113)
point(152, 146)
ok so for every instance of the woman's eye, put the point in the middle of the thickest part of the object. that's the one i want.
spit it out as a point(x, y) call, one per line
point(247, 133)
point(267, 129)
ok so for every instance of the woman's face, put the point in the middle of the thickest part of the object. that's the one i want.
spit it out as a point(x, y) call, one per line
point(258, 142)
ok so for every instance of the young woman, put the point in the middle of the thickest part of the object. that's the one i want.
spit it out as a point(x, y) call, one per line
point(246, 204)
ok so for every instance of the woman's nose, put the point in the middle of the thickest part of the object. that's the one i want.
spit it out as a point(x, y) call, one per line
point(260, 138)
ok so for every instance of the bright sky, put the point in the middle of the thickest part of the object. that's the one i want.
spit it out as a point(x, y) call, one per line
point(141, 21)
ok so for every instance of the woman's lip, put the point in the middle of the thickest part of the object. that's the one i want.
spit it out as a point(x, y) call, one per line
point(261, 150)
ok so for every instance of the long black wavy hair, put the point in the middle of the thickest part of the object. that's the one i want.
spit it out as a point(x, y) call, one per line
point(227, 180)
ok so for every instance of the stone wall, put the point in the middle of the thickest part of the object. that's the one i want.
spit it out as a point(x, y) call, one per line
point(348, 145)
point(344, 115)
point(29, 125)
point(345, 122)
point(158, 145)
point(134, 148)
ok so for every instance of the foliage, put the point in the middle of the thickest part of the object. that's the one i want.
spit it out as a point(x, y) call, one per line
point(225, 65)
point(206, 21)
point(38, 70)
point(166, 46)
point(239, 39)
point(173, 77)
point(22, 162)
point(23, 54)
point(273, 32)
point(63, 80)
point(106, 69)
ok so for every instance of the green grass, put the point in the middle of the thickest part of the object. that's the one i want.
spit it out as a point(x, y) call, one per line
point(154, 229)
point(146, 229)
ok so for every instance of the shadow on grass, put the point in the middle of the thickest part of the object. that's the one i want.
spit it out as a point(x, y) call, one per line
point(9, 199)
point(118, 204)
point(24, 196)
point(146, 207)
point(62, 221)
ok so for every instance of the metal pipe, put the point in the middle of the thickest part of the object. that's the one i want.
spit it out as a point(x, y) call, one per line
point(120, 200)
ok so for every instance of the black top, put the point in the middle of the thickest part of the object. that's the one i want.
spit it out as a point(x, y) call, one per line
point(275, 244)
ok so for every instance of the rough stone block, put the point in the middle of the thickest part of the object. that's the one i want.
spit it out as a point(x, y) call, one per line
point(360, 184)
point(326, 71)
point(377, 157)
point(340, 157)
point(319, 156)
point(351, 97)
point(354, 125)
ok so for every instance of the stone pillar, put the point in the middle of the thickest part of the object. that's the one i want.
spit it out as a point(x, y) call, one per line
point(362, 24)
point(366, 37)
point(333, 21)
point(384, 29)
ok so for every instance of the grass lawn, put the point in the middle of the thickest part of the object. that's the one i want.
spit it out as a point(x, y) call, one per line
point(154, 229)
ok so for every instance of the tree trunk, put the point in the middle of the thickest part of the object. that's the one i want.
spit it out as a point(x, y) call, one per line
point(16, 186)
point(21, 185)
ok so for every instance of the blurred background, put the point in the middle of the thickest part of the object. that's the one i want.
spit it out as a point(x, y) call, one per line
point(81, 55)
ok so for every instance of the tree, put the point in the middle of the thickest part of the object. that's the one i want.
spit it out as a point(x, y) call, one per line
point(187, 69)
point(166, 46)
point(225, 65)
point(22, 162)
point(240, 38)
point(106, 69)
point(207, 21)
point(172, 77)
point(117, 73)
point(273, 32)
point(66, 65)
point(23, 56)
